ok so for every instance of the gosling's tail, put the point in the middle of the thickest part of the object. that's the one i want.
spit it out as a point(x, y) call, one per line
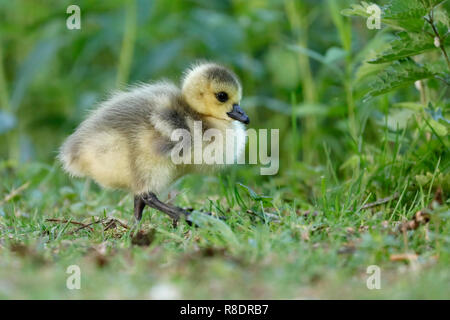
point(69, 156)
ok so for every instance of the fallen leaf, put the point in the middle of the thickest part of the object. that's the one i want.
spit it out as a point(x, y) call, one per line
point(98, 254)
point(212, 251)
point(25, 251)
point(304, 235)
point(350, 230)
point(348, 248)
point(404, 257)
point(363, 228)
point(420, 218)
point(438, 199)
point(143, 238)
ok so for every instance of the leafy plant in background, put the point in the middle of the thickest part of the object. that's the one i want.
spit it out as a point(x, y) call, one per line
point(417, 55)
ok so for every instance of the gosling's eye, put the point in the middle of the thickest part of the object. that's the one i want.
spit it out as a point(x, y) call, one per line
point(222, 96)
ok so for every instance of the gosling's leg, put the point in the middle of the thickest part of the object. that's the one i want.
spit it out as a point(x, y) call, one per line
point(139, 206)
point(174, 212)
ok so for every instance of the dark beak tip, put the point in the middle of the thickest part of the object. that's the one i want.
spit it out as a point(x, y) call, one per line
point(238, 114)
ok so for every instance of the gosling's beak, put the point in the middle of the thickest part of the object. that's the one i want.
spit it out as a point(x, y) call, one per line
point(238, 114)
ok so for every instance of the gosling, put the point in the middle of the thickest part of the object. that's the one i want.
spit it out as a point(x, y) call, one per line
point(126, 142)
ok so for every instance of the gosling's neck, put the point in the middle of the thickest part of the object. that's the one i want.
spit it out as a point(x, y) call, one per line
point(221, 124)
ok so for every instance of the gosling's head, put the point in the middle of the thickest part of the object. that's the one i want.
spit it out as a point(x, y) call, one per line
point(213, 91)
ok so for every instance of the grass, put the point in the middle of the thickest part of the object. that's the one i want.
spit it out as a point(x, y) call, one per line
point(303, 234)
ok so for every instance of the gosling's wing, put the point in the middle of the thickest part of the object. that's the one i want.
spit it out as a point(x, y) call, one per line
point(128, 111)
point(118, 120)
point(128, 137)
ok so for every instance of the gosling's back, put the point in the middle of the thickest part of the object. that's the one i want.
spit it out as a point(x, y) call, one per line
point(125, 143)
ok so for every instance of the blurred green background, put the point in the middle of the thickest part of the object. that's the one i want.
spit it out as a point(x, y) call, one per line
point(298, 61)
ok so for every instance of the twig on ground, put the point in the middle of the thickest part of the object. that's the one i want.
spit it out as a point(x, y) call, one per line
point(86, 226)
point(108, 223)
point(381, 201)
point(70, 221)
point(15, 192)
point(111, 223)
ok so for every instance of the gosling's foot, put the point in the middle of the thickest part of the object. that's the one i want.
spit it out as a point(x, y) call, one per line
point(151, 200)
point(174, 212)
